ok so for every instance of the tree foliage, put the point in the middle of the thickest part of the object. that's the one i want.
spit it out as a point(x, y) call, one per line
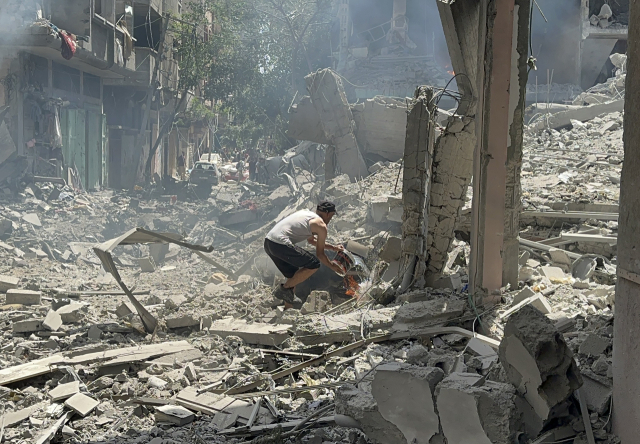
point(249, 57)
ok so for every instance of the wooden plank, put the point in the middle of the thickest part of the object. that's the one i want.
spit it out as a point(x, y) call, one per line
point(29, 370)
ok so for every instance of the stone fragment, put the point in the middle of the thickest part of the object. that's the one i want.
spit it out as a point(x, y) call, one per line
point(81, 404)
point(147, 265)
point(124, 309)
point(28, 326)
point(64, 391)
point(427, 313)
point(554, 274)
point(392, 250)
point(182, 321)
point(597, 394)
point(476, 411)
point(537, 361)
point(94, 333)
point(317, 302)
point(157, 383)
point(538, 301)
point(53, 321)
point(72, 313)
point(523, 294)
point(594, 345)
point(24, 297)
point(560, 257)
point(33, 219)
point(190, 372)
point(174, 414)
point(404, 396)
point(8, 283)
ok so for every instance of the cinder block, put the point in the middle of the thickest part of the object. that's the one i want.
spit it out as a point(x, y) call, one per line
point(8, 283)
point(24, 297)
point(28, 326)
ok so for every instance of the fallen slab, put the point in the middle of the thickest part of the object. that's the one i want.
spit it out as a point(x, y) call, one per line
point(418, 315)
point(252, 333)
point(476, 411)
point(582, 114)
point(537, 361)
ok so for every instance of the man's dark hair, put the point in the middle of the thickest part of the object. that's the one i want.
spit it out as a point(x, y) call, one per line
point(327, 207)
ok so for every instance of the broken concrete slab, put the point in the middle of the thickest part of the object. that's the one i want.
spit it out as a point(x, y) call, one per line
point(33, 219)
point(538, 301)
point(317, 302)
point(147, 265)
point(597, 392)
point(14, 418)
point(64, 391)
point(81, 404)
point(582, 114)
point(404, 396)
point(94, 333)
point(8, 283)
point(594, 345)
point(537, 361)
point(23, 297)
point(53, 321)
point(181, 321)
point(73, 312)
point(476, 411)
point(28, 326)
point(554, 274)
point(252, 333)
point(174, 414)
point(392, 250)
point(523, 294)
point(417, 315)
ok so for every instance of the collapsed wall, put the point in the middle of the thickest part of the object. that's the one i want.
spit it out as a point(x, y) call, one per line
point(329, 100)
point(452, 170)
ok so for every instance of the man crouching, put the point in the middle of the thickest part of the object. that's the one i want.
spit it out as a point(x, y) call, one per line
point(295, 263)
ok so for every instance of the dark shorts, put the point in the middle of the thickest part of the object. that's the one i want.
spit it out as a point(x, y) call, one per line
point(290, 258)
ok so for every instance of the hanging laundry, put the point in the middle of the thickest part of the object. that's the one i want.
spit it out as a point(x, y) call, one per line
point(68, 44)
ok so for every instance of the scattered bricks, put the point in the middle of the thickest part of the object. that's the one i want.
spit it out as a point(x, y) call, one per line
point(476, 411)
point(8, 283)
point(81, 404)
point(24, 297)
point(362, 407)
point(28, 326)
point(72, 313)
point(594, 345)
point(404, 395)
point(538, 301)
point(64, 391)
point(427, 313)
point(537, 361)
point(523, 294)
point(182, 321)
point(53, 321)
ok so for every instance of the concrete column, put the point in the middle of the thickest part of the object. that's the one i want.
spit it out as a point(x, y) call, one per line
point(626, 359)
point(490, 175)
point(513, 200)
point(416, 183)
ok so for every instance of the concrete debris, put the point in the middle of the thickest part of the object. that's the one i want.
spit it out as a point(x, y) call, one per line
point(537, 361)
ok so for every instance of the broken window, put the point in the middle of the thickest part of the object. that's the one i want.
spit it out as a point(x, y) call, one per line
point(148, 26)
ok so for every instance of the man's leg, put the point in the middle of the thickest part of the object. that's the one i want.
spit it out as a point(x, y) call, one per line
point(301, 275)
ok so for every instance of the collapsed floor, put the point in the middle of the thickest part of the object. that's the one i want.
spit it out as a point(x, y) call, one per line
point(227, 363)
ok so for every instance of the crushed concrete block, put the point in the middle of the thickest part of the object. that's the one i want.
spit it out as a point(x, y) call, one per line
point(538, 301)
point(476, 411)
point(28, 326)
point(53, 321)
point(594, 345)
point(523, 294)
point(147, 265)
point(478, 348)
point(252, 333)
point(23, 297)
point(317, 302)
point(81, 404)
point(427, 313)
point(174, 414)
point(597, 394)
point(404, 396)
point(392, 250)
point(64, 391)
point(73, 312)
point(124, 309)
point(537, 361)
point(8, 283)
point(94, 333)
point(182, 321)
point(560, 257)
point(190, 372)
point(362, 407)
point(379, 208)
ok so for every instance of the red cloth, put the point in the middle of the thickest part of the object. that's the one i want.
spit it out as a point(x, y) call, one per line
point(68, 45)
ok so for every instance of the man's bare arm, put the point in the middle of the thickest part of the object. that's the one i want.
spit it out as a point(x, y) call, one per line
point(319, 229)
